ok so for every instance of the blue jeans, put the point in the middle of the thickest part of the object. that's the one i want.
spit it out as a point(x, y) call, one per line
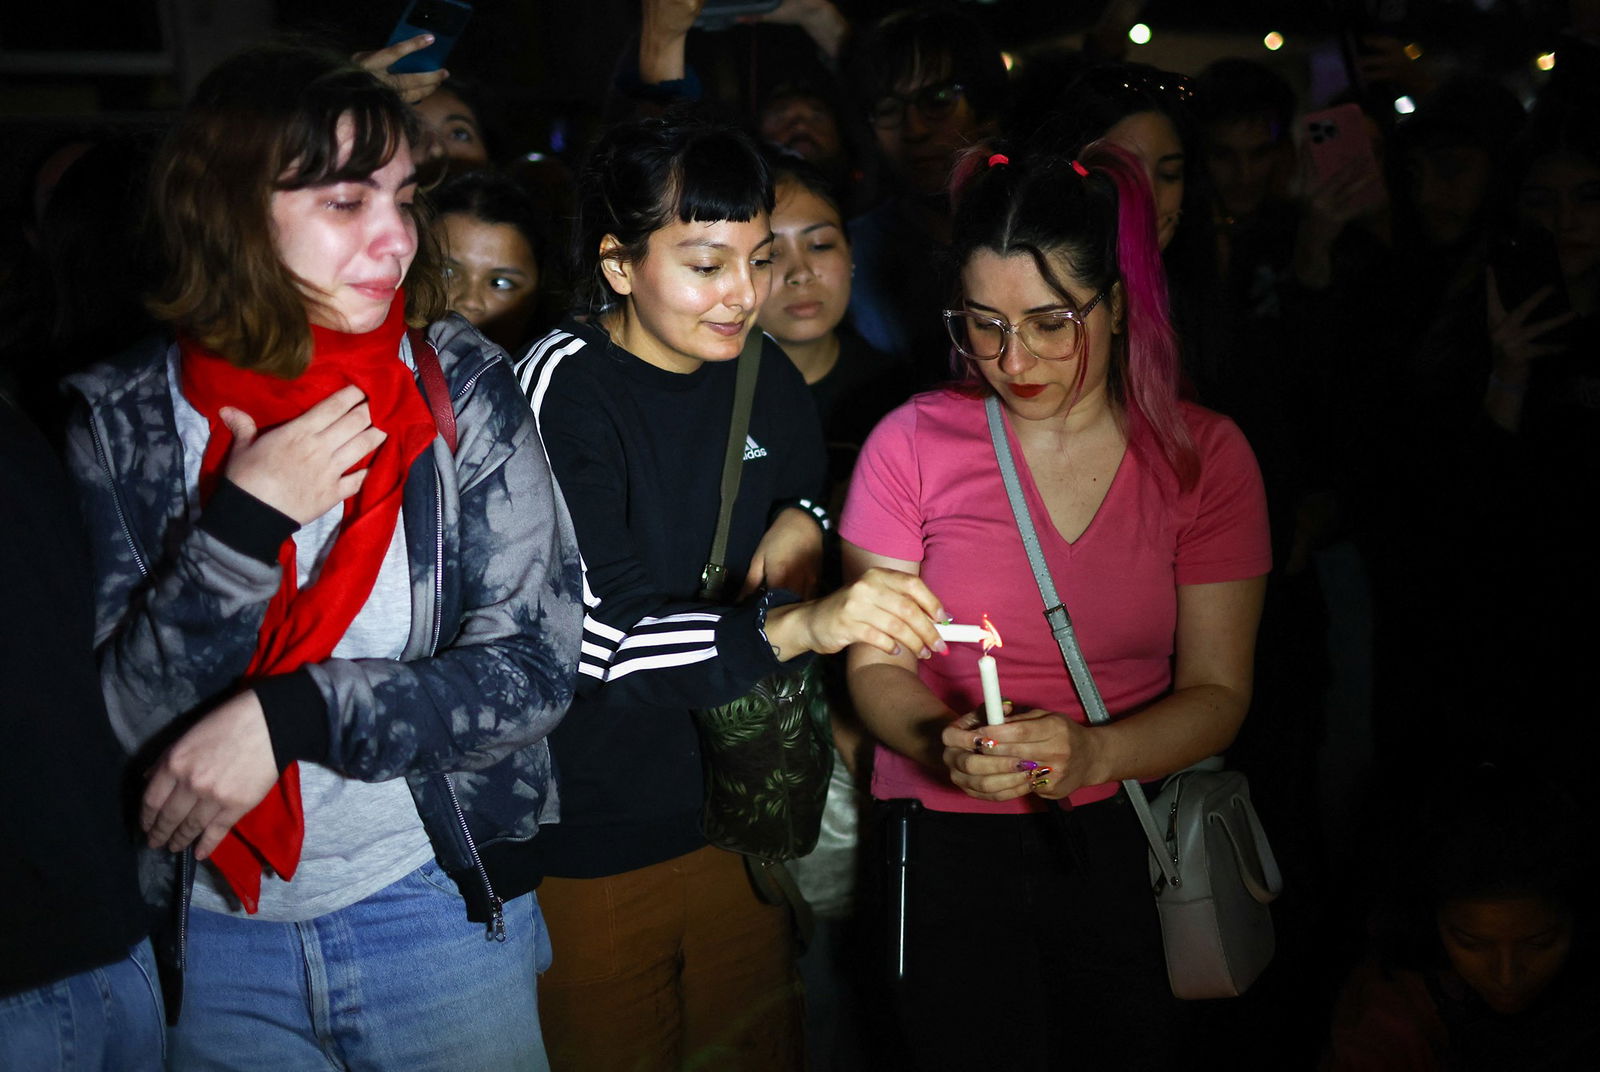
point(107, 1018)
point(400, 980)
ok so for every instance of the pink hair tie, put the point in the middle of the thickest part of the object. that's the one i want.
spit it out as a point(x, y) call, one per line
point(1080, 169)
point(998, 159)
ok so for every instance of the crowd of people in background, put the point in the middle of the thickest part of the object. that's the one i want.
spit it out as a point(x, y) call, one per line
point(1307, 390)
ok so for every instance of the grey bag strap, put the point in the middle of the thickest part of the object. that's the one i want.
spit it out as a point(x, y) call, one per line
point(714, 577)
point(1066, 638)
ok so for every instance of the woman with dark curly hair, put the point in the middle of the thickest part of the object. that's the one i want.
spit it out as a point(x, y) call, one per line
point(493, 244)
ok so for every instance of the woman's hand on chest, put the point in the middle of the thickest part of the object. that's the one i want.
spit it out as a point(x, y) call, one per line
point(303, 467)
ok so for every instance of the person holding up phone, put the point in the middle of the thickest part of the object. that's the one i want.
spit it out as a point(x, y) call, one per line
point(412, 86)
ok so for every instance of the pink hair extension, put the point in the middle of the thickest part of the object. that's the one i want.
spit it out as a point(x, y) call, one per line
point(1153, 367)
point(969, 166)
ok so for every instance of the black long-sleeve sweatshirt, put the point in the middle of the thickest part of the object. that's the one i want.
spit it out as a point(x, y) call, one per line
point(638, 453)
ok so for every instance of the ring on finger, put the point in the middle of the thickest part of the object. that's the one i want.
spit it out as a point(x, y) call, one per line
point(1038, 783)
point(981, 745)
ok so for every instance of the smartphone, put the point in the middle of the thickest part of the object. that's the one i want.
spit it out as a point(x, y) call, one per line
point(1526, 262)
point(444, 19)
point(720, 14)
point(1338, 143)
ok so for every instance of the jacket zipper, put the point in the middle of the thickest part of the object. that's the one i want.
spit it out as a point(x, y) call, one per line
point(438, 560)
point(185, 891)
point(116, 497)
point(495, 929)
point(472, 380)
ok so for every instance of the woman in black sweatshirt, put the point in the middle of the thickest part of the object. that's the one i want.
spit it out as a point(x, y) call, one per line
point(664, 953)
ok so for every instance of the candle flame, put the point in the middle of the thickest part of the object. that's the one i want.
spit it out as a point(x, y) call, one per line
point(993, 640)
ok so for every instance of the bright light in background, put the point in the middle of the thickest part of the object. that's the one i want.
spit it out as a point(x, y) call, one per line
point(1546, 62)
point(1008, 59)
point(1139, 33)
point(1273, 41)
point(1405, 105)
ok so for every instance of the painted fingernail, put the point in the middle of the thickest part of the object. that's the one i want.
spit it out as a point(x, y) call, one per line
point(941, 647)
point(1026, 765)
point(896, 650)
point(1042, 772)
point(982, 744)
point(924, 653)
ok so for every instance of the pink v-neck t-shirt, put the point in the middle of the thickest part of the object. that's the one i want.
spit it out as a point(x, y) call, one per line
point(927, 488)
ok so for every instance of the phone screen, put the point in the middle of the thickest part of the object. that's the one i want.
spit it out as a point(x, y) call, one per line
point(445, 19)
point(1524, 264)
point(720, 14)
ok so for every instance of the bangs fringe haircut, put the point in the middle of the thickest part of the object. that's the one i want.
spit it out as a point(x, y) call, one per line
point(718, 178)
point(643, 175)
point(268, 120)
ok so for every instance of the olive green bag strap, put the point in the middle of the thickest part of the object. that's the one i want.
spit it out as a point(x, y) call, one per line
point(772, 881)
point(714, 578)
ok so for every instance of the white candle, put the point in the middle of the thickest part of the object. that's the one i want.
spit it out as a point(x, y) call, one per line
point(951, 633)
point(993, 707)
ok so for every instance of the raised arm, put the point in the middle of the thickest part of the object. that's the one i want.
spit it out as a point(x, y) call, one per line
point(664, 27)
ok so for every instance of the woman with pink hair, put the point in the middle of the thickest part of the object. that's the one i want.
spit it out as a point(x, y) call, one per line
point(1029, 877)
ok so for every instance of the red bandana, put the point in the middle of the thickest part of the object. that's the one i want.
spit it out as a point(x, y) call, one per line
point(302, 626)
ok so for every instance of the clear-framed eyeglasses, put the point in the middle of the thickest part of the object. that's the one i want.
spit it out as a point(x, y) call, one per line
point(1052, 336)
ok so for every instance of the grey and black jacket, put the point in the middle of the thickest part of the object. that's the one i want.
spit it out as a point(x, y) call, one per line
point(496, 597)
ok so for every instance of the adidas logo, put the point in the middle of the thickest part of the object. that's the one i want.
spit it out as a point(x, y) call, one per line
point(752, 449)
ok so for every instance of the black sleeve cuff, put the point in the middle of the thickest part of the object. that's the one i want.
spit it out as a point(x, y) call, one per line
point(297, 717)
point(768, 599)
point(245, 523)
point(687, 88)
point(813, 509)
